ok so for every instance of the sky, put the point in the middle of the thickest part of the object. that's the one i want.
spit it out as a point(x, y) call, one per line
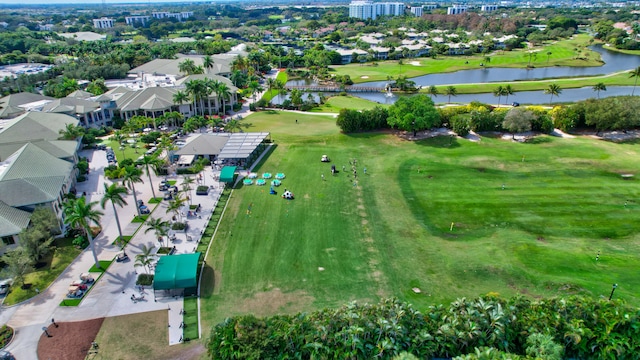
point(88, 2)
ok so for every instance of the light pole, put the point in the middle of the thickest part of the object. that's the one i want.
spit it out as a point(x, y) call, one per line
point(612, 290)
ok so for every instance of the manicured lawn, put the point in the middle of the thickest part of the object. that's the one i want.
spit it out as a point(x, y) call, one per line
point(123, 241)
point(140, 218)
point(617, 79)
point(563, 201)
point(141, 335)
point(128, 152)
point(49, 269)
point(336, 103)
point(563, 53)
point(190, 318)
point(104, 264)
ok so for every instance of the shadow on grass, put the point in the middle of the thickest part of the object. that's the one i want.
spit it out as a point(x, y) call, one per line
point(441, 142)
point(208, 281)
point(538, 140)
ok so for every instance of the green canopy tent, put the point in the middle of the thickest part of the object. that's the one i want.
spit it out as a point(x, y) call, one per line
point(227, 174)
point(176, 272)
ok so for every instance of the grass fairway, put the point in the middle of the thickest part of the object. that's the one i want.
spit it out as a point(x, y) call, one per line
point(570, 52)
point(336, 103)
point(563, 201)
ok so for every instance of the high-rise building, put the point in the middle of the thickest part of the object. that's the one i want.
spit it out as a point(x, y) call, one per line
point(456, 9)
point(103, 23)
point(366, 9)
point(488, 8)
point(416, 10)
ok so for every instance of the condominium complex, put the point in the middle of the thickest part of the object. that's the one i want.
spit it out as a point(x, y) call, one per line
point(103, 23)
point(416, 10)
point(488, 8)
point(456, 9)
point(143, 19)
point(371, 10)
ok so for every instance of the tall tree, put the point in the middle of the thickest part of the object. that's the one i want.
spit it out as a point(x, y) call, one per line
point(413, 113)
point(114, 194)
point(181, 97)
point(207, 63)
point(498, 92)
point(433, 91)
point(145, 258)
point(254, 87)
point(518, 120)
point(149, 162)
point(78, 213)
point(223, 92)
point(160, 228)
point(553, 90)
point(634, 74)
point(451, 91)
point(130, 178)
point(71, 132)
point(599, 87)
point(508, 90)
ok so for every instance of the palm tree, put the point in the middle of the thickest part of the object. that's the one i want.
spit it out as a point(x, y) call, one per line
point(487, 59)
point(554, 90)
point(548, 56)
point(212, 85)
point(254, 87)
point(207, 62)
point(451, 91)
point(180, 97)
point(508, 90)
point(197, 89)
point(78, 213)
point(175, 205)
point(145, 259)
point(433, 91)
point(223, 92)
point(71, 132)
point(146, 161)
point(634, 74)
point(187, 67)
point(161, 228)
point(131, 177)
point(186, 186)
point(599, 87)
point(114, 194)
point(498, 92)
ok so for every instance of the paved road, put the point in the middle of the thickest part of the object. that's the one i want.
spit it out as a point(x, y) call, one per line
point(111, 295)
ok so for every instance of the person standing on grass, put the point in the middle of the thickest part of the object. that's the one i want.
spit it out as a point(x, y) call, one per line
point(322, 176)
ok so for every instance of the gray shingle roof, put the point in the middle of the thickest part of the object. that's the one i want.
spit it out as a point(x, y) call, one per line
point(71, 105)
point(205, 144)
point(33, 162)
point(62, 149)
point(35, 125)
point(10, 104)
point(12, 220)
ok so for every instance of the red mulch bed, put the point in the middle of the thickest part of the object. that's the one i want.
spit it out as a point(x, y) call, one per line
point(69, 341)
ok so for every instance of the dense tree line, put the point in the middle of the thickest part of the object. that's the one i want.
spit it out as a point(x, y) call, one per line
point(351, 121)
point(580, 328)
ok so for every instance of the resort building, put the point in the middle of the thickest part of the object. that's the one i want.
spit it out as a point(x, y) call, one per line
point(456, 9)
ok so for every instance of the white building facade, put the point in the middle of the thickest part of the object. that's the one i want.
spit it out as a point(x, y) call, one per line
point(456, 9)
point(103, 23)
point(416, 10)
point(370, 10)
point(489, 8)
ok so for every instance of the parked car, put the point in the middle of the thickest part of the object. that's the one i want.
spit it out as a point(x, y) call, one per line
point(144, 210)
point(5, 355)
point(122, 256)
point(140, 203)
point(163, 187)
point(4, 286)
point(515, 104)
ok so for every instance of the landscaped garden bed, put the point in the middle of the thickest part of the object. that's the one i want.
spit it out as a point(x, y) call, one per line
point(202, 190)
point(6, 334)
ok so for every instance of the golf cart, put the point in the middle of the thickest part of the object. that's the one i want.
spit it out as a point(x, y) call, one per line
point(325, 158)
point(122, 256)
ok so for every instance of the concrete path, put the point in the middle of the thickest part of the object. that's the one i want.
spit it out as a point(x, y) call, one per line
point(111, 295)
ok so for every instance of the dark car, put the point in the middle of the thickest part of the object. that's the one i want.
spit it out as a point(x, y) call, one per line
point(163, 187)
point(140, 203)
point(515, 104)
point(144, 210)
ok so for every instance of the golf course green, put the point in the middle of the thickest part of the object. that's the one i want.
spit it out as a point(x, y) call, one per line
point(448, 216)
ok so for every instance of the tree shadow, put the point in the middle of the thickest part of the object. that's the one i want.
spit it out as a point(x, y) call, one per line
point(440, 142)
point(208, 281)
point(122, 280)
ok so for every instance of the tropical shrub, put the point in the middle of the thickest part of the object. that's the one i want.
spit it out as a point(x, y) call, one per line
point(460, 125)
point(582, 328)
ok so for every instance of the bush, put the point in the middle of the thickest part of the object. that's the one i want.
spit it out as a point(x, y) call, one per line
point(81, 178)
point(185, 170)
point(252, 107)
point(460, 125)
point(126, 162)
point(178, 226)
point(145, 279)
point(202, 190)
point(80, 241)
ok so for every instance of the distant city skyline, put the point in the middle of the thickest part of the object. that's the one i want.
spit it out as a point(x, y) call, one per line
point(92, 2)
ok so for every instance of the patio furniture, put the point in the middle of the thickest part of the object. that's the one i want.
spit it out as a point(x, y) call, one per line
point(247, 181)
point(267, 175)
point(276, 183)
point(261, 182)
point(280, 176)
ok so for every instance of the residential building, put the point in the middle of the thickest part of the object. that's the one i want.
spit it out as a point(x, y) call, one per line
point(17, 104)
point(137, 20)
point(181, 16)
point(84, 36)
point(416, 10)
point(36, 169)
point(489, 8)
point(367, 9)
point(429, 7)
point(456, 9)
point(103, 23)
